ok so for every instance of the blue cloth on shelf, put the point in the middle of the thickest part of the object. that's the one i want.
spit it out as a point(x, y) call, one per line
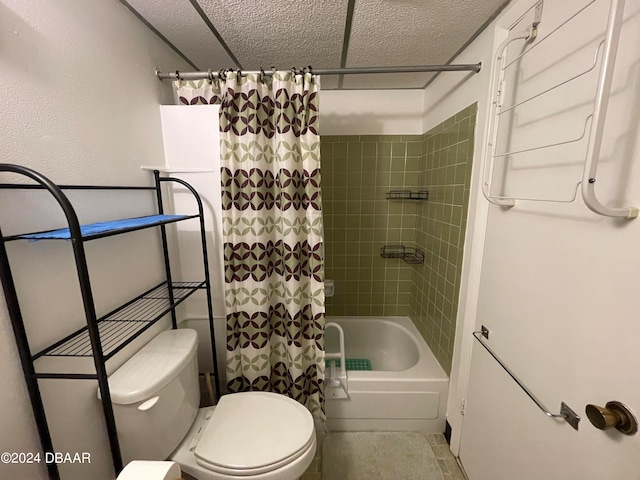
point(101, 227)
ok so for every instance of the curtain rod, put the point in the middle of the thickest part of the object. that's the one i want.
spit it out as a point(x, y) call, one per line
point(470, 67)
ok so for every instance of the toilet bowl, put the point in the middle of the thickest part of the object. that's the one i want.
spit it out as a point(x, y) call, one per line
point(250, 435)
point(255, 435)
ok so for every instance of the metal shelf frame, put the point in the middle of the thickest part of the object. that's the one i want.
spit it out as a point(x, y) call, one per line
point(102, 337)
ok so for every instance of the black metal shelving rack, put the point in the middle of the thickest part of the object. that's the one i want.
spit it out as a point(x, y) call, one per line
point(104, 336)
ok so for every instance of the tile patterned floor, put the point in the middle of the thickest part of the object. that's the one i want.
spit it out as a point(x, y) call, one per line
point(447, 461)
point(314, 472)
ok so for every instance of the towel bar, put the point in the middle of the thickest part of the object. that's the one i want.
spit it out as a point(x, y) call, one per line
point(566, 413)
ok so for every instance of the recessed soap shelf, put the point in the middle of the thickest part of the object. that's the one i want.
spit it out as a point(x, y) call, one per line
point(407, 195)
point(411, 255)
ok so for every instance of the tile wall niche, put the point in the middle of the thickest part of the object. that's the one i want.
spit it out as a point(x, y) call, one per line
point(357, 173)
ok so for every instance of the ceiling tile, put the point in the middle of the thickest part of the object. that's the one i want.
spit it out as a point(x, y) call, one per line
point(181, 24)
point(410, 32)
point(281, 33)
point(287, 33)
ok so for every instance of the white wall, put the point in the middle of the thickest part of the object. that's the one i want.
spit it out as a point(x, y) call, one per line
point(557, 287)
point(443, 98)
point(191, 138)
point(371, 112)
point(79, 104)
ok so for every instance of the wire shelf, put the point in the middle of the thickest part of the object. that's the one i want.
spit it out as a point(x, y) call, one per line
point(414, 256)
point(103, 229)
point(411, 255)
point(408, 195)
point(119, 327)
point(392, 251)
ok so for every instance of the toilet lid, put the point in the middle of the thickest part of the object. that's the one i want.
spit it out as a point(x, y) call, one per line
point(254, 431)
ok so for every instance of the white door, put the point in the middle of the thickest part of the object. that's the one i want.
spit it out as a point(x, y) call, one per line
point(560, 285)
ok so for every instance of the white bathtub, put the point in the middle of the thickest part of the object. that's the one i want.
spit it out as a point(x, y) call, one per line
point(406, 390)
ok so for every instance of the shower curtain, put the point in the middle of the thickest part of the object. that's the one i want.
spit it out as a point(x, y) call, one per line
point(272, 228)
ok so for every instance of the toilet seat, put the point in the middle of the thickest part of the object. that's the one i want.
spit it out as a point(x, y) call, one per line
point(258, 472)
point(253, 433)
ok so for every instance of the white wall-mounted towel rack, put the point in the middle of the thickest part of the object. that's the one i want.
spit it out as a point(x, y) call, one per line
point(590, 126)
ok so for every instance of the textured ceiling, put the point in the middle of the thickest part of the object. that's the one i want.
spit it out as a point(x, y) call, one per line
point(322, 33)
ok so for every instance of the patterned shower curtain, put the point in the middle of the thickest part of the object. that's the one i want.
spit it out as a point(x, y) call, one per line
point(272, 228)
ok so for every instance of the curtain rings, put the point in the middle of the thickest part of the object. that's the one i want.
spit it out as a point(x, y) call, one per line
point(178, 77)
point(262, 75)
point(210, 74)
point(296, 74)
point(222, 74)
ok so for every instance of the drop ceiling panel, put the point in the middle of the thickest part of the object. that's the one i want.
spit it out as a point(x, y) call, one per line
point(287, 33)
point(411, 32)
point(280, 33)
point(181, 24)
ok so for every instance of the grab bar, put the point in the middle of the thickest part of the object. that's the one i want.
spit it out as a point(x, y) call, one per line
point(566, 413)
point(340, 354)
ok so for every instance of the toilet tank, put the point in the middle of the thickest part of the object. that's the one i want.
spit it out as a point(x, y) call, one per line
point(155, 396)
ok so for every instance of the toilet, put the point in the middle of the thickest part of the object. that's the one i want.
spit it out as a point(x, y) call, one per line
point(251, 435)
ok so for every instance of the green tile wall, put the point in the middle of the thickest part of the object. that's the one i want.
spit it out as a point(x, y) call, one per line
point(357, 173)
point(447, 152)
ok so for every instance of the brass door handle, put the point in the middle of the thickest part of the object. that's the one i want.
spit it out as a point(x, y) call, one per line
point(614, 414)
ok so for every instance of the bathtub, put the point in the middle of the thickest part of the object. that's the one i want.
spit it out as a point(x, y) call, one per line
point(406, 390)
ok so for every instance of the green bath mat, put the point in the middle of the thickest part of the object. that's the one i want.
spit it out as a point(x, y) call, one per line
point(354, 364)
